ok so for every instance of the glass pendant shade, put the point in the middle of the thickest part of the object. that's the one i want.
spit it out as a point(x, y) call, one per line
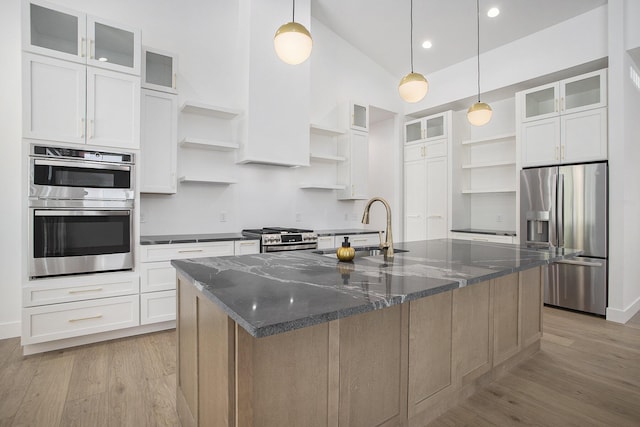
point(413, 87)
point(293, 43)
point(479, 114)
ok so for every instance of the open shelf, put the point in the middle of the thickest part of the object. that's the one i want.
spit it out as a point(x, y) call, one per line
point(491, 139)
point(321, 186)
point(326, 158)
point(326, 131)
point(489, 190)
point(208, 144)
point(205, 109)
point(488, 164)
point(206, 180)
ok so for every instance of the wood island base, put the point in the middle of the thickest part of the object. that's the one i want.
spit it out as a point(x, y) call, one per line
point(400, 366)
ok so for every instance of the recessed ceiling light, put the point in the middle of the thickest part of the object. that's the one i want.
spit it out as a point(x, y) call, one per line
point(427, 44)
point(493, 12)
point(103, 59)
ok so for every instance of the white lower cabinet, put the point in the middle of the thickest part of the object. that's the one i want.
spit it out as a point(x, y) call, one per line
point(158, 306)
point(358, 240)
point(66, 307)
point(325, 242)
point(157, 276)
point(483, 237)
point(67, 320)
point(246, 247)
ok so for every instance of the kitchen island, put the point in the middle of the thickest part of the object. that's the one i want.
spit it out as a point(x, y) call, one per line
point(292, 339)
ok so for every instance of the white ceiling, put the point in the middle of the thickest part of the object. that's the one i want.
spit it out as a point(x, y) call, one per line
point(380, 28)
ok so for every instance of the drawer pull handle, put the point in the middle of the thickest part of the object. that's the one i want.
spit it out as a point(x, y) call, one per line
point(477, 239)
point(247, 244)
point(189, 250)
point(99, 316)
point(80, 291)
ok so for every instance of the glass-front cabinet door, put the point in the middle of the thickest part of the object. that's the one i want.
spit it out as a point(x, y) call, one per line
point(53, 31)
point(435, 127)
point(159, 70)
point(73, 36)
point(583, 92)
point(425, 129)
point(540, 102)
point(359, 117)
point(413, 131)
point(113, 46)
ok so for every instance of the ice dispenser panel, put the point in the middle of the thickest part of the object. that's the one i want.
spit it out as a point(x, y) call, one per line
point(538, 228)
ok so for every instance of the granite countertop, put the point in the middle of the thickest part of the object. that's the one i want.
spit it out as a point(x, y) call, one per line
point(190, 238)
point(338, 232)
point(484, 231)
point(277, 292)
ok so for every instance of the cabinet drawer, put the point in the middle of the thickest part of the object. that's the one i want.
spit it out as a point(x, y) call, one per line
point(325, 242)
point(436, 149)
point(53, 291)
point(58, 321)
point(157, 276)
point(246, 247)
point(482, 237)
point(185, 250)
point(157, 307)
point(359, 240)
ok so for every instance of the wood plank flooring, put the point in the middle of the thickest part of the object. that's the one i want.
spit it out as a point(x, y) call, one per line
point(586, 374)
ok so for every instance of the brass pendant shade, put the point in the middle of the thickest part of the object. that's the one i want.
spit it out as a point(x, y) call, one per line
point(479, 114)
point(293, 42)
point(414, 86)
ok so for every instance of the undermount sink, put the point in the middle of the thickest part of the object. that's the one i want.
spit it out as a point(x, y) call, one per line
point(360, 252)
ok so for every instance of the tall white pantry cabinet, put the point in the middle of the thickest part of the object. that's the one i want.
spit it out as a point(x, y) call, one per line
point(427, 159)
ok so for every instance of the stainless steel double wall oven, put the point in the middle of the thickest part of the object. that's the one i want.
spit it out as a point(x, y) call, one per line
point(81, 205)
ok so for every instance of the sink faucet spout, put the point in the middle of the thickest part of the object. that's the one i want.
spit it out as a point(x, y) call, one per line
point(387, 245)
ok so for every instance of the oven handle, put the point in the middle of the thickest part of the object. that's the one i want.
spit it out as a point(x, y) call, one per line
point(81, 164)
point(80, 212)
point(282, 248)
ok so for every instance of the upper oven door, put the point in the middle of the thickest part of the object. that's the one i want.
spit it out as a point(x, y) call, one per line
point(72, 179)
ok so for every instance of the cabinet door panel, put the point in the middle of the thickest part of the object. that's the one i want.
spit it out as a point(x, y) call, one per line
point(436, 188)
point(415, 179)
point(541, 142)
point(584, 136)
point(158, 139)
point(113, 109)
point(113, 46)
point(540, 102)
point(54, 99)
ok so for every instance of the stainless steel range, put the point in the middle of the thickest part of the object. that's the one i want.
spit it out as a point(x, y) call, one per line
point(278, 239)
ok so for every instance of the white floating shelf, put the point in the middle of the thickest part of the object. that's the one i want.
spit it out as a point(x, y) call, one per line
point(209, 144)
point(326, 131)
point(322, 186)
point(326, 158)
point(207, 180)
point(203, 108)
point(490, 190)
point(491, 139)
point(488, 164)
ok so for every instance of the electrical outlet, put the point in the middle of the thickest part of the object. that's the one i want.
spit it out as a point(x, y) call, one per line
point(499, 218)
point(143, 217)
point(223, 216)
point(298, 217)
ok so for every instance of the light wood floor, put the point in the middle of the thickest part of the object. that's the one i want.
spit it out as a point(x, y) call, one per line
point(586, 374)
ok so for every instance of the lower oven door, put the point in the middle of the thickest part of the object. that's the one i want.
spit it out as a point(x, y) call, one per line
point(70, 241)
point(289, 247)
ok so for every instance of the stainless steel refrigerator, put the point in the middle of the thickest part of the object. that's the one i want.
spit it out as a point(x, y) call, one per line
point(566, 206)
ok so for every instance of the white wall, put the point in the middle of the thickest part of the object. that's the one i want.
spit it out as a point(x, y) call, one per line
point(11, 226)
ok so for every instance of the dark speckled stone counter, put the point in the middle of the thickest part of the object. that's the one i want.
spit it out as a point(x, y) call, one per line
point(190, 238)
point(268, 294)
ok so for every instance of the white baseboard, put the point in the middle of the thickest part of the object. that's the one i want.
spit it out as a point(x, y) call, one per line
point(90, 339)
point(10, 330)
point(623, 316)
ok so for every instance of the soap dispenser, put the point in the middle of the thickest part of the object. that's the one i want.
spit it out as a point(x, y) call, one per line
point(345, 252)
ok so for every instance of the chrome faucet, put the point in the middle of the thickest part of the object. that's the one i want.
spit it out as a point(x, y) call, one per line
point(386, 246)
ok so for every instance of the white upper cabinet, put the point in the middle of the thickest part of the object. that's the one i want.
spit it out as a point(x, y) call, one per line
point(426, 128)
point(359, 116)
point(158, 142)
point(580, 93)
point(565, 122)
point(159, 70)
point(74, 36)
point(353, 172)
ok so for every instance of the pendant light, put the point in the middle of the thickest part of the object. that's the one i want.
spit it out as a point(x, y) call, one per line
point(293, 41)
point(479, 114)
point(413, 87)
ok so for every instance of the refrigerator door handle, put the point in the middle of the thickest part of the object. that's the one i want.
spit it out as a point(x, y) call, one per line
point(580, 263)
point(560, 210)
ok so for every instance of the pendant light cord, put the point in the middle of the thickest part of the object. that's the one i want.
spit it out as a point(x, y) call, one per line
point(478, 40)
point(293, 18)
point(411, 34)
